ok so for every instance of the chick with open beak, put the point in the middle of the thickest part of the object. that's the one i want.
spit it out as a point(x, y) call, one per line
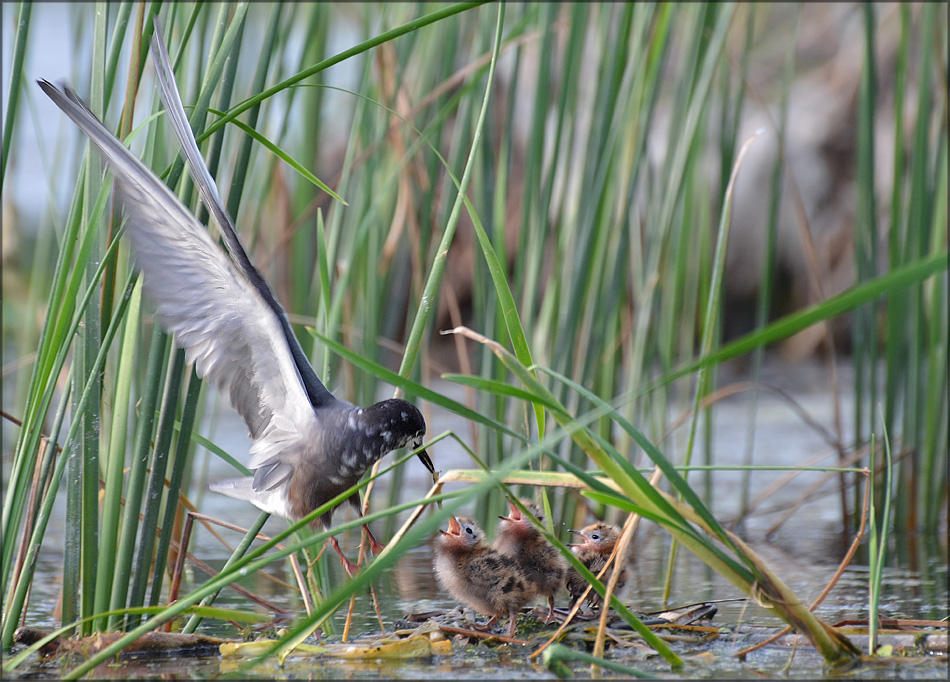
point(475, 574)
point(542, 562)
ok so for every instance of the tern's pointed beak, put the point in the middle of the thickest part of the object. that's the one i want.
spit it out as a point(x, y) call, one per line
point(454, 527)
point(424, 458)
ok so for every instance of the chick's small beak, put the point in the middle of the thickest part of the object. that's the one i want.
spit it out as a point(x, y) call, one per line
point(454, 527)
point(578, 532)
point(514, 513)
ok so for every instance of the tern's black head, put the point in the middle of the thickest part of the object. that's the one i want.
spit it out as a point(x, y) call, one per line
point(400, 424)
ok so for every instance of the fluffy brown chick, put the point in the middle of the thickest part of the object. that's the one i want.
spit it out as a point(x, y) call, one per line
point(599, 542)
point(475, 574)
point(541, 561)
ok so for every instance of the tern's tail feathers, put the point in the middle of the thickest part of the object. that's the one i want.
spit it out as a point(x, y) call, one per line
point(271, 501)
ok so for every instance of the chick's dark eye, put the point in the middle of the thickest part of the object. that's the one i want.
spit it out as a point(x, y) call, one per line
point(469, 531)
point(595, 536)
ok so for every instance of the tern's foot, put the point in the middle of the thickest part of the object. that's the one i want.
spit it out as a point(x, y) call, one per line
point(349, 566)
point(374, 546)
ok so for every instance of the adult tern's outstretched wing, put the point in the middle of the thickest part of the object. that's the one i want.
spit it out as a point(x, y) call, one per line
point(221, 320)
point(318, 394)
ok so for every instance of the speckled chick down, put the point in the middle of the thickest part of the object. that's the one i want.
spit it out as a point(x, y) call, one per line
point(599, 542)
point(541, 561)
point(476, 575)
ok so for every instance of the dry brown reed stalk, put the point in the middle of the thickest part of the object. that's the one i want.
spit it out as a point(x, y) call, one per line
point(181, 554)
point(845, 562)
point(629, 528)
point(618, 555)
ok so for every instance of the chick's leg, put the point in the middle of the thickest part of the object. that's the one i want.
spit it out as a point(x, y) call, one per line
point(513, 615)
point(486, 626)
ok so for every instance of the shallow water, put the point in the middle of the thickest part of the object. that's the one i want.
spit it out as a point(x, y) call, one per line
point(410, 588)
point(804, 551)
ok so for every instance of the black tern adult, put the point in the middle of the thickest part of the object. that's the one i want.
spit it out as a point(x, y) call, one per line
point(308, 446)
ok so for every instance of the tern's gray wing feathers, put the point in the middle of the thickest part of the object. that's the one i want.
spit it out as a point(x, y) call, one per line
point(271, 474)
point(226, 328)
point(271, 501)
point(316, 391)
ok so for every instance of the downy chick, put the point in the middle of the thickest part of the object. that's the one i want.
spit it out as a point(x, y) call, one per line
point(599, 542)
point(541, 561)
point(477, 575)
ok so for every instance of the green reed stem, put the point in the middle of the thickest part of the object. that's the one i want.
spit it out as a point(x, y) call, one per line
point(16, 76)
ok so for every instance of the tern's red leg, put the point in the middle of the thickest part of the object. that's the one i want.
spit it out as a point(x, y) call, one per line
point(374, 545)
point(348, 565)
